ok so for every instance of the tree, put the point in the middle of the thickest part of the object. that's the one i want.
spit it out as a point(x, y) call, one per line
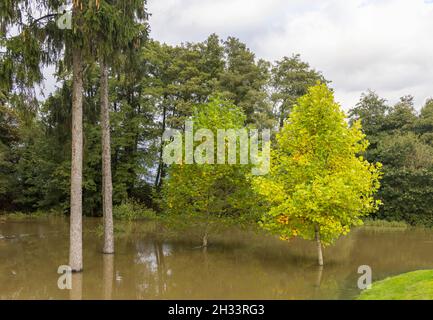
point(210, 194)
point(34, 38)
point(318, 186)
point(244, 81)
point(402, 115)
point(424, 124)
point(371, 110)
point(291, 78)
point(76, 224)
point(107, 183)
point(116, 29)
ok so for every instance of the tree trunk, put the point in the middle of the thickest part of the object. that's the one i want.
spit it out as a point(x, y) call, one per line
point(76, 241)
point(319, 245)
point(107, 185)
point(160, 173)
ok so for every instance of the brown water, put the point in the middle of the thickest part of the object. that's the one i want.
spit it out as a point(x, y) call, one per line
point(237, 265)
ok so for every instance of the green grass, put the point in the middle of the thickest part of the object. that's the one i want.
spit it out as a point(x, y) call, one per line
point(17, 215)
point(385, 224)
point(416, 285)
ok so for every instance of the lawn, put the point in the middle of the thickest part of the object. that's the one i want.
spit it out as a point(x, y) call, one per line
point(416, 285)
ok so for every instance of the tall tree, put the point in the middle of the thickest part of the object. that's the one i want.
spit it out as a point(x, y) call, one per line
point(290, 79)
point(244, 81)
point(402, 115)
point(371, 110)
point(43, 44)
point(76, 233)
point(107, 183)
point(118, 28)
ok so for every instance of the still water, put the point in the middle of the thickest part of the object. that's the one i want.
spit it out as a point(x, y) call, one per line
point(152, 264)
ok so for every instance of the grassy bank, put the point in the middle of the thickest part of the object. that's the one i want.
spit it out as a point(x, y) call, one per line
point(416, 285)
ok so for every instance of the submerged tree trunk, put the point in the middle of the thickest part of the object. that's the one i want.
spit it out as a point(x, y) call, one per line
point(76, 242)
point(107, 185)
point(319, 245)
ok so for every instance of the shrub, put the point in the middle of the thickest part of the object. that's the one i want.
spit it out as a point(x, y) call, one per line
point(132, 210)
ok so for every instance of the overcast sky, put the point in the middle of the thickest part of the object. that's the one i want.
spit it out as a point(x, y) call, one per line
point(384, 45)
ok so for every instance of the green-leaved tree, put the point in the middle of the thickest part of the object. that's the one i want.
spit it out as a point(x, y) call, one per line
point(211, 194)
point(318, 186)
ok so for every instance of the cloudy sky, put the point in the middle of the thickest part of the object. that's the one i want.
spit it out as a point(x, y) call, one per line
point(384, 45)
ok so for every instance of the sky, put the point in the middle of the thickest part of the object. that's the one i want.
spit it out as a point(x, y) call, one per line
point(383, 45)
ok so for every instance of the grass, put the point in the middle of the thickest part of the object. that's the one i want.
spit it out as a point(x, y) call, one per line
point(17, 215)
point(416, 285)
point(386, 224)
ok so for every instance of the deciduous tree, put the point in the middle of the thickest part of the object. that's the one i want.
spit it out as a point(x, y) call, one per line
point(319, 186)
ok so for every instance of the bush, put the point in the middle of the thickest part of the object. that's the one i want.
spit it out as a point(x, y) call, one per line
point(407, 195)
point(132, 210)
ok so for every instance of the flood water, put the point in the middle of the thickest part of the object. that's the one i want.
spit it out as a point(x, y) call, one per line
point(149, 264)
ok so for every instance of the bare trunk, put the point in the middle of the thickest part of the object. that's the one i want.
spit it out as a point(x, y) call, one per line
point(107, 185)
point(76, 241)
point(319, 245)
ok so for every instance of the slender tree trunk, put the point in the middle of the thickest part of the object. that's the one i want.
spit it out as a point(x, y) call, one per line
point(76, 241)
point(319, 245)
point(107, 185)
point(160, 174)
point(281, 120)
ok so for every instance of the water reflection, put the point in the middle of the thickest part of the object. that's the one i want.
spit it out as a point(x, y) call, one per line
point(237, 265)
point(76, 292)
point(108, 275)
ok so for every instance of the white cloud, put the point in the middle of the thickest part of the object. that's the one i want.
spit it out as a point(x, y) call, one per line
point(384, 45)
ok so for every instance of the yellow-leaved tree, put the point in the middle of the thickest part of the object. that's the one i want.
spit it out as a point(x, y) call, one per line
point(319, 185)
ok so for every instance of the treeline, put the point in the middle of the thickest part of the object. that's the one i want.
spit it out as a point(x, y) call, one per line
point(402, 140)
point(160, 89)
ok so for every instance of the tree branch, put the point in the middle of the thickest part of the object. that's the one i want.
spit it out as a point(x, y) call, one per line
point(44, 17)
